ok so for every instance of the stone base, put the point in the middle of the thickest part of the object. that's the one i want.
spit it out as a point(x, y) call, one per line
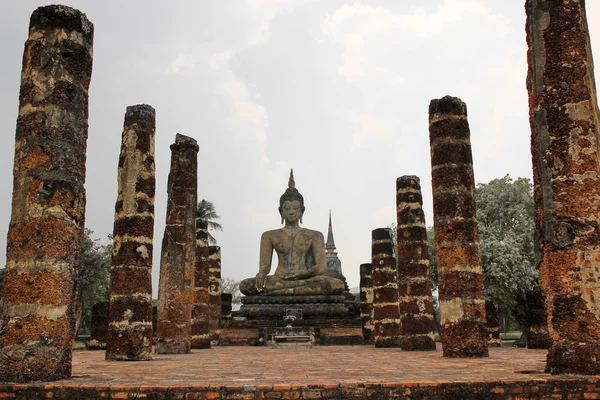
point(172, 347)
point(289, 336)
point(275, 307)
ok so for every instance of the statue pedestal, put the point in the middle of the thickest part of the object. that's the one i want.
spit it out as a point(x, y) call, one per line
point(327, 320)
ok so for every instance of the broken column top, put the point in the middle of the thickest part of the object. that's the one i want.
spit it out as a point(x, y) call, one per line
point(384, 234)
point(59, 16)
point(447, 105)
point(140, 111)
point(409, 180)
point(182, 141)
point(365, 269)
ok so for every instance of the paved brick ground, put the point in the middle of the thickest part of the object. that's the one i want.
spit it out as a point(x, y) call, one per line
point(301, 365)
point(336, 372)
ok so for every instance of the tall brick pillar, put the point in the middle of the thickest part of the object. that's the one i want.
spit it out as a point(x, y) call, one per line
point(214, 290)
point(414, 285)
point(130, 315)
point(37, 326)
point(386, 316)
point(564, 119)
point(178, 253)
point(462, 305)
point(366, 303)
point(200, 311)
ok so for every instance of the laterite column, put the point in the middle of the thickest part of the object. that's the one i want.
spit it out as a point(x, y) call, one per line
point(386, 316)
point(462, 305)
point(130, 315)
point(37, 320)
point(564, 119)
point(414, 285)
point(366, 303)
point(200, 311)
point(493, 325)
point(536, 320)
point(178, 253)
point(214, 290)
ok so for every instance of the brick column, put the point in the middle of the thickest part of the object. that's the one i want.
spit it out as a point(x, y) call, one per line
point(386, 316)
point(214, 290)
point(462, 305)
point(178, 253)
point(366, 303)
point(48, 202)
point(200, 312)
point(414, 285)
point(536, 321)
point(130, 326)
point(98, 326)
point(493, 325)
point(564, 119)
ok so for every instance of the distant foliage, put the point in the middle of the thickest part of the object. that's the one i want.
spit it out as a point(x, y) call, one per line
point(232, 286)
point(94, 278)
point(505, 216)
point(205, 212)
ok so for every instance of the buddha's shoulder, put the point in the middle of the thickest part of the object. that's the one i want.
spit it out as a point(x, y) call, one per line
point(311, 232)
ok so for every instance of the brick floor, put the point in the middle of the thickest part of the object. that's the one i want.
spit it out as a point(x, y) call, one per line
point(300, 365)
point(309, 372)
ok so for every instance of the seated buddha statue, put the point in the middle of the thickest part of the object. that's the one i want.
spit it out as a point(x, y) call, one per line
point(300, 252)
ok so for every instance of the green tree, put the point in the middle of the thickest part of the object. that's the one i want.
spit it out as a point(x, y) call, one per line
point(94, 278)
point(505, 216)
point(206, 213)
point(433, 270)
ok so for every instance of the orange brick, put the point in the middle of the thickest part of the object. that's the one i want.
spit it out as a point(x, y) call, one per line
point(211, 395)
point(119, 395)
point(497, 390)
point(291, 395)
point(281, 387)
point(595, 395)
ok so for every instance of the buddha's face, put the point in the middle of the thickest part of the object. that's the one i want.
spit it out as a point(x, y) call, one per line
point(291, 211)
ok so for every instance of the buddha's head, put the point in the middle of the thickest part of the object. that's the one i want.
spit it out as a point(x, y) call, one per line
point(291, 203)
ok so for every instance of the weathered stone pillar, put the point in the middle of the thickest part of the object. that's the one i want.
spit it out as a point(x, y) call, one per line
point(130, 326)
point(414, 285)
point(493, 325)
point(178, 253)
point(214, 291)
point(462, 305)
point(98, 326)
point(37, 326)
point(536, 321)
point(366, 303)
point(226, 305)
point(386, 315)
point(564, 119)
point(201, 310)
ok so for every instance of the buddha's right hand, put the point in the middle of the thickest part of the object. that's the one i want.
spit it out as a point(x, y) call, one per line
point(261, 279)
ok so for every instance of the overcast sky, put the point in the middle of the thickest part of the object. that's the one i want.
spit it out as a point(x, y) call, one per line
point(337, 90)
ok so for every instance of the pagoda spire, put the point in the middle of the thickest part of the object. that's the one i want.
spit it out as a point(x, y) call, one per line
point(330, 245)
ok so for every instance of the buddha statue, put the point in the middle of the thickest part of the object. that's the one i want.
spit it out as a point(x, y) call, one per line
point(301, 263)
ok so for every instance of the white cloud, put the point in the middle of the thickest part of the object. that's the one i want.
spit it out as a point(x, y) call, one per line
point(181, 61)
point(265, 3)
point(370, 126)
point(364, 29)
